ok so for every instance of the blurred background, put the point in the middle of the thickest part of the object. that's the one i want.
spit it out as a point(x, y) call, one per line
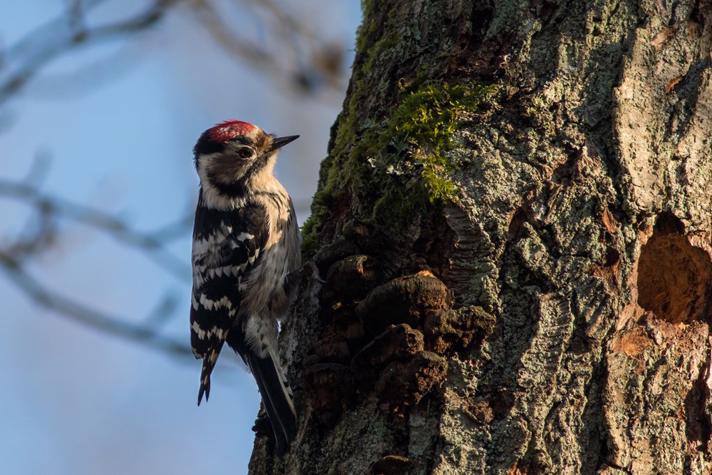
point(101, 102)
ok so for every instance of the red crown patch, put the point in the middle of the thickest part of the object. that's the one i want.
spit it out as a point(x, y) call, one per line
point(230, 129)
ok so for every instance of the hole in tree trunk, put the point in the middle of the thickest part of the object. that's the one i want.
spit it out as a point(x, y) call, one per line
point(674, 277)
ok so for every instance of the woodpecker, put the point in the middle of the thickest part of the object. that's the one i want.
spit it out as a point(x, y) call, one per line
point(245, 245)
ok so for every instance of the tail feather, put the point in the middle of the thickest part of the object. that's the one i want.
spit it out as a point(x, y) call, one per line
point(208, 364)
point(277, 398)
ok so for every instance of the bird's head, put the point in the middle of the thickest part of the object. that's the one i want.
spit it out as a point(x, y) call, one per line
point(228, 154)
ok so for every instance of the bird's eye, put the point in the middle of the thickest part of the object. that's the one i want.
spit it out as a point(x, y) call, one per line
point(244, 152)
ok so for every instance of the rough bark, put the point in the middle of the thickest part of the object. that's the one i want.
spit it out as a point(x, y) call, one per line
point(512, 229)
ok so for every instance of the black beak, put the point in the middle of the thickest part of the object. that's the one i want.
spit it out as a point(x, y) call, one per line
point(279, 142)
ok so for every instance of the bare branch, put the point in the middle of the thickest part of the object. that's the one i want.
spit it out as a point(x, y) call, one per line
point(303, 71)
point(48, 207)
point(59, 36)
point(40, 233)
point(110, 324)
point(320, 65)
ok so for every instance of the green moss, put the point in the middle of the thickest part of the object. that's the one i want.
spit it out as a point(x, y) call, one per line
point(368, 26)
point(380, 50)
point(427, 119)
point(309, 234)
point(403, 159)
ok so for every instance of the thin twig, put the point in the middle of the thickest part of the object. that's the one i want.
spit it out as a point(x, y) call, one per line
point(151, 243)
point(66, 34)
point(110, 324)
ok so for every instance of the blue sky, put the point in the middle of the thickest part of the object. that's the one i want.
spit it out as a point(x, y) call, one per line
point(74, 401)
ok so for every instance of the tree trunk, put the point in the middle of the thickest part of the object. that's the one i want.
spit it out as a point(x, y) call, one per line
point(513, 231)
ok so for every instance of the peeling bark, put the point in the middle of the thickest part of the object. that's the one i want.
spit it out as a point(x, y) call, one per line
point(513, 231)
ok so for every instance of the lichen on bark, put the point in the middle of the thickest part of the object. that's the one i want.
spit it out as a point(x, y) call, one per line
point(405, 160)
point(502, 186)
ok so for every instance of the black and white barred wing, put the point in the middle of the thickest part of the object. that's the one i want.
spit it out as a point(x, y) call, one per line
point(225, 248)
